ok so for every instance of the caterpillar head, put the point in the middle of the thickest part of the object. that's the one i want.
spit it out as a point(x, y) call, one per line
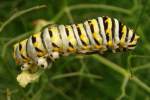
point(132, 40)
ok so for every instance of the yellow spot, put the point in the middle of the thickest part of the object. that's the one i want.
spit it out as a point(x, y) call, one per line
point(86, 47)
point(110, 43)
point(36, 44)
point(137, 37)
point(97, 46)
point(122, 41)
point(108, 30)
point(124, 29)
point(40, 54)
point(56, 49)
point(82, 36)
point(71, 37)
point(95, 35)
point(71, 49)
point(55, 38)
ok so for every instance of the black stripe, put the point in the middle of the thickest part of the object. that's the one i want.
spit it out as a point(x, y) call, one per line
point(23, 56)
point(91, 26)
point(20, 47)
point(89, 21)
point(50, 33)
point(67, 31)
point(120, 30)
point(54, 45)
point(132, 45)
point(105, 27)
point(27, 48)
point(92, 30)
point(133, 36)
point(38, 50)
point(33, 39)
point(97, 42)
point(87, 33)
point(70, 44)
point(126, 38)
point(84, 43)
point(107, 38)
point(42, 38)
point(105, 24)
point(113, 28)
point(79, 32)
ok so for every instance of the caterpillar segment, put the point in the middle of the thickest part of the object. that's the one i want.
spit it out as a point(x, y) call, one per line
point(102, 34)
point(116, 33)
point(95, 35)
point(46, 40)
point(71, 39)
point(77, 37)
point(84, 39)
point(17, 55)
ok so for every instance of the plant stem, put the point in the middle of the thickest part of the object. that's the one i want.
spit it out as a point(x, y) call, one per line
point(17, 14)
point(122, 71)
point(101, 6)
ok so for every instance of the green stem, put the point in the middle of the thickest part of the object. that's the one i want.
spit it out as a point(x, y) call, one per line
point(70, 17)
point(113, 66)
point(145, 66)
point(17, 14)
point(58, 16)
point(59, 91)
point(100, 6)
point(123, 88)
point(141, 84)
point(75, 74)
point(121, 71)
point(93, 6)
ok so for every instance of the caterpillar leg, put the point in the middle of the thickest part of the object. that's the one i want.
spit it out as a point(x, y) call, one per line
point(45, 61)
point(25, 66)
point(55, 55)
point(102, 49)
point(42, 62)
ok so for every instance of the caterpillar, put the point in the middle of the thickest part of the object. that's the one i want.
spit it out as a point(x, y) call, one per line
point(92, 36)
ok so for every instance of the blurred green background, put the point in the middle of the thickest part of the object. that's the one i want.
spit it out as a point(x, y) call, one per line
point(89, 77)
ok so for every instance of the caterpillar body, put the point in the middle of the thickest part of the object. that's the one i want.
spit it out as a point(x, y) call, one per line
point(95, 35)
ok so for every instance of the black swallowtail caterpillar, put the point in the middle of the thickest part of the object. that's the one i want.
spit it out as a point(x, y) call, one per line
point(95, 35)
